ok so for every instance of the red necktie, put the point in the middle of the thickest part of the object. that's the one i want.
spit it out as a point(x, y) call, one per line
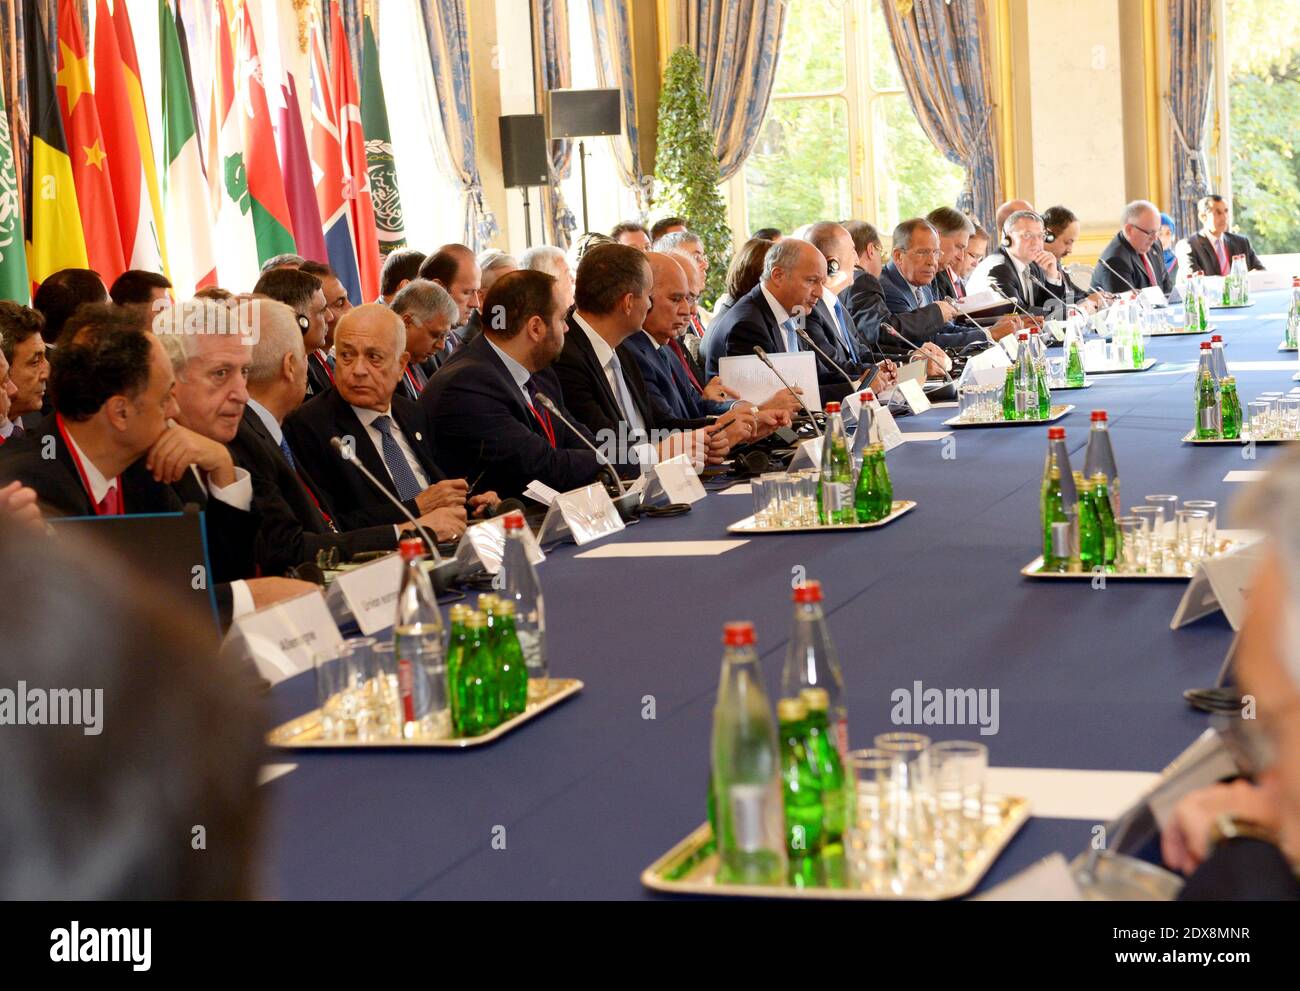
point(111, 504)
point(1222, 251)
point(1151, 272)
point(681, 356)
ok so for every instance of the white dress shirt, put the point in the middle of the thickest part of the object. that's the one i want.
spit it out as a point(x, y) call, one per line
point(268, 420)
point(518, 372)
point(368, 418)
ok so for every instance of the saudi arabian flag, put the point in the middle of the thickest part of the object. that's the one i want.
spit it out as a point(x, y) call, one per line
point(13, 257)
point(380, 165)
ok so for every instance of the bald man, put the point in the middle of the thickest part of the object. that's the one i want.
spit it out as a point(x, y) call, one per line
point(1007, 209)
point(390, 434)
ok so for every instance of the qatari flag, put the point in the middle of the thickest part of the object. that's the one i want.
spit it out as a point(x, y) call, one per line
point(299, 188)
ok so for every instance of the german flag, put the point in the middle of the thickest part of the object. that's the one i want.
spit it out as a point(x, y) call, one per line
point(54, 237)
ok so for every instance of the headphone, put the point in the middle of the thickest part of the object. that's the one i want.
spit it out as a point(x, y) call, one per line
point(303, 323)
point(832, 266)
point(1048, 236)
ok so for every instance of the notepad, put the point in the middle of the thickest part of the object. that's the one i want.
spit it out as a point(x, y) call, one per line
point(665, 548)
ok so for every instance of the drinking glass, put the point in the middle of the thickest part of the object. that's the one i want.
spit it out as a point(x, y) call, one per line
point(377, 696)
point(957, 772)
point(335, 694)
point(807, 485)
point(1152, 518)
point(1191, 536)
point(1289, 417)
point(967, 399)
point(1259, 416)
point(1131, 551)
point(1211, 509)
point(1056, 373)
point(762, 506)
point(1168, 506)
point(869, 843)
point(910, 821)
point(777, 485)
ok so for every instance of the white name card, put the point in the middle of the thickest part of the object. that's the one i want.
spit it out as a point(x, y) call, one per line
point(914, 395)
point(285, 638)
point(675, 480)
point(885, 430)
point(371, 593)
point(1261, 281)
point(755, 382)
point(1154, 296)
point(582, 516)
point(483, 545)
point(1220, 583)
point(807, 455)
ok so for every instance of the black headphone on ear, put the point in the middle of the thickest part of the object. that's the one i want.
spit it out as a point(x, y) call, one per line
point(303, 323)
point(832, 266)
point(1048, 236)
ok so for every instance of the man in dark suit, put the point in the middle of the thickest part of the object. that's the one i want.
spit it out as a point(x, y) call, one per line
point(400, 267)
point(1133, 259)
point(955, 230)
point(483, 403)
point(1211, 249)
point(671, 394)
point(295, 525)
point(456, 269)
point(116, 449)
point(1021, 268)
point(428, 312)
point(29, 369)
point(389, 434)
point(906, 282)
point(601, 378)
point(305, 295)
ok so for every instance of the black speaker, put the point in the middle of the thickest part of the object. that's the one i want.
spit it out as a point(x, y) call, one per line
point(585, 113)
point(525, 158)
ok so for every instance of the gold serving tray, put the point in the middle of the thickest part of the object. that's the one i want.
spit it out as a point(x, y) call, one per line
point(1032, 570)
point(1227, 306)
point(1286, 347)
point(304, 733)
point(1149, 363)
point(1190, 438)
point(1057, 412)
point(690, 867)
point(746, 525)
point(1182, 333)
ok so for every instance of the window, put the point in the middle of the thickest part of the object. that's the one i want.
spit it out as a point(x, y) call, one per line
point(840, 139)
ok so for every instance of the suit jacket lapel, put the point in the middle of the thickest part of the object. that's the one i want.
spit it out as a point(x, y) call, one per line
point(416, 436)
point(594, 368)
point(63, 456)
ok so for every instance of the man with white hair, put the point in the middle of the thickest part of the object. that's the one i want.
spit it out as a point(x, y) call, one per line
point(688, 242)
point(495, 263)
point(428, 311)
point(551, 260)
point(1241, 840)
point(294, 525)
point(1134, 258)
point(388, 433)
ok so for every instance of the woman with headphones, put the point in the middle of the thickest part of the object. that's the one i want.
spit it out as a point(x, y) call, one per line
point(1062, 230)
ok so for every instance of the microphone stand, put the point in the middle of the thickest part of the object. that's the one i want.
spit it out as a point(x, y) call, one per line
point(347, 453)
point(762, 355)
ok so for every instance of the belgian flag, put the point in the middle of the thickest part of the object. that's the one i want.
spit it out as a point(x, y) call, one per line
point(54, 236)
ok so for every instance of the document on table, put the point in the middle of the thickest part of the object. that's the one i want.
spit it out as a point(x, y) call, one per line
point(664, 548)
point(1244, 476)
point(269, 772)
point(755, 383)
point(1062, 793)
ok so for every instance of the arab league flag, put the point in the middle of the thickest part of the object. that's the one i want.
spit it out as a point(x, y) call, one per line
point(379, 149)
point(13, 260)
point(54, 237)
point(187, 205)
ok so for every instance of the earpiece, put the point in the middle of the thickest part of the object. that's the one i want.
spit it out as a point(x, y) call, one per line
point(303, 323)
point(1048, 236)
point(832, 266)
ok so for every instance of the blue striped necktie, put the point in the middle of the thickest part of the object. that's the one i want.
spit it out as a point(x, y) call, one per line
point(288, 454)
point(841, 317)
point(407, 486)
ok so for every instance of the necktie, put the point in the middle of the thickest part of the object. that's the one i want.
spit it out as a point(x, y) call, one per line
point(1027, 295)
point(791, 338)
point(398, 468)
point(623, 396)
point(669, 362)
point(542, 416)
point(288, 454)
point(920, 297)
point(676, 345)
point(111, 504)
point(1222, 251)
point(842, 318)
point(17, 431)
point(1151, 272)
point(958, 289)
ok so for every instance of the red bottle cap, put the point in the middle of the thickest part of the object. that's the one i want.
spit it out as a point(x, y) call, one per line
point(1033, 330)
point(1023, 335)
point(809, 591)
point(411, 548)
point(867, 396)
point(1098, 415)
point(1217, 337)
point(832, 407)
point(1056, 433)
point(738, 634)
point(1205, 345)
point(515, 521)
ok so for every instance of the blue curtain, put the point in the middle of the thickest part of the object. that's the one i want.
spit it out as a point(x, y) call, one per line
point(448, 36)
point(1191, 73)
point(738, 42)
point(555, 71)
point(351, 12)
point(611, 28)
point(942, 50)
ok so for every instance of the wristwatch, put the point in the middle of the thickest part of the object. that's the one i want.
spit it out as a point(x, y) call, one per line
point(1233, 827)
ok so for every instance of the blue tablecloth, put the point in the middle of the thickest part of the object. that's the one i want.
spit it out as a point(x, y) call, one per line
point(591, 793)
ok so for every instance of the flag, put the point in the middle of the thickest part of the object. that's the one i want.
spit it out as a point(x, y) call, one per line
point(271, 220)
point(356, 177)
point(86, 149)
point(140, 121)
point(232, 207)
point(13, 261)
point(379, 149)
point(298, 185)
point(141, 245)
point(188, 215)
point(54, 236)
point(327, 167)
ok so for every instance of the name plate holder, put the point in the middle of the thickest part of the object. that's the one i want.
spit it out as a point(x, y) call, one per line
point(483, 545)
point(582, 515)
point(1220, 583)
point(284, 639)
point(673, 481)
point(371, 593)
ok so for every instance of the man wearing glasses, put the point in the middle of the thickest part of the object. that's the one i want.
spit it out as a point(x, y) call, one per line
point(1021, 268)
point(1134, 259)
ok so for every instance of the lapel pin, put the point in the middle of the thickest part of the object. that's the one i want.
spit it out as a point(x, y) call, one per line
point(419, 436)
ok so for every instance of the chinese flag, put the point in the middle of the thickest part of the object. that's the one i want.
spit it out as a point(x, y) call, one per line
point(86, 149)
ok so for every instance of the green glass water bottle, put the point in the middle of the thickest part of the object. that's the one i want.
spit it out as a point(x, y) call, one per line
point(1231, 405)
point(480, 709)
point(836, 503)
point(1101, 501)
point(829, 767)
point(1074, 376)
point(512, 673)
point(1091, 546)
point(1009, 394)
point(884, 485)
point(801, 792)
point(866, 498)
point(456, 645)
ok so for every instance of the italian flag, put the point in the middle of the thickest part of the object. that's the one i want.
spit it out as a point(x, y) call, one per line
point(188, 204)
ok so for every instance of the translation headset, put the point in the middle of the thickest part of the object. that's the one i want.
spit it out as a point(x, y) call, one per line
point(303, 323)
point(832, 266)
point(1048, 236)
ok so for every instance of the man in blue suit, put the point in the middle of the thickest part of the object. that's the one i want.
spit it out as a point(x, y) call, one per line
point(906, 281)
point(671, 394)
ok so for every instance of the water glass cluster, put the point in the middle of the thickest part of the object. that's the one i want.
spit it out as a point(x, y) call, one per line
point(786, 499)
point(1160, 538)
point(1275, 416)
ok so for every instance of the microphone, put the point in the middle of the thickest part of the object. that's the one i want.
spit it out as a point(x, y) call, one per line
point(551, 408)
point(348, 454)
point(1047, 286)
point(915, 347)
point(762, 356)
point(1137, 292)
point(807, 339)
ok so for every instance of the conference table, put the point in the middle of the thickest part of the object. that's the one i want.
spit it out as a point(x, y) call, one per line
point(575, 804)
